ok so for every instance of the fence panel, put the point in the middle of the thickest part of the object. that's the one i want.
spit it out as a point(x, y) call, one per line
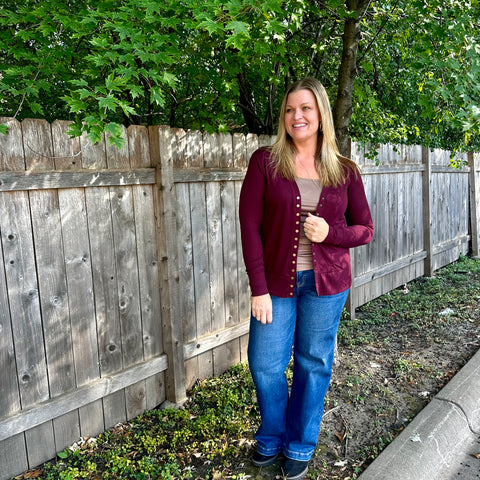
point(450, 209)
point(207, 171)
point(393, 185)
point(474, 163)
point(82, 346)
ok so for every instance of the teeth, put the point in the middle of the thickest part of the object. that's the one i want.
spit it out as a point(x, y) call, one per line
point(298, 125)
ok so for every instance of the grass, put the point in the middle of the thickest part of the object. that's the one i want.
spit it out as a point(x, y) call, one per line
point(211, 436)
point(419, 303)
point(198, 440)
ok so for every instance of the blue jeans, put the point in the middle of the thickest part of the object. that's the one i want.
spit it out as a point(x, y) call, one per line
point(308, 323)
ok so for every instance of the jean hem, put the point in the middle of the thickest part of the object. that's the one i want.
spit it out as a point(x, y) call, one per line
point(269, 453)
point(302, 457)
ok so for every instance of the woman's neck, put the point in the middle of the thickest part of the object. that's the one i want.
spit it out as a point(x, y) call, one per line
point(305, 151)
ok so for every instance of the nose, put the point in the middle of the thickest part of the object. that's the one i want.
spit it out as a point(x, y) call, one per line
point(298, 113)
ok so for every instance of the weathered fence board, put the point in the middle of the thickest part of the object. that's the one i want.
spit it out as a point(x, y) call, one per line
point(474, 163)
point(122, 280)
point(79, 248)
point(396, 253)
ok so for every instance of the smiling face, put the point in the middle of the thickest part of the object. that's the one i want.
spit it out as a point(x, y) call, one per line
point(302, 116)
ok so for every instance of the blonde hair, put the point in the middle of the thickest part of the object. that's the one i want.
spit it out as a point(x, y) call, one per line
point(328, 161)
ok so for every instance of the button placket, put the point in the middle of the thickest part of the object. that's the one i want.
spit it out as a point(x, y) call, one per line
point(296, 238)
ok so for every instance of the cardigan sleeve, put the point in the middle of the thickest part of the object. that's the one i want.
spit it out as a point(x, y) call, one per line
point(251, 212)
point(358, 228)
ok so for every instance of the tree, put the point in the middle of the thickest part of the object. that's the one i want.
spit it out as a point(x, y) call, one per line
point(418, 76)
point(223, 66)
point(342, 110)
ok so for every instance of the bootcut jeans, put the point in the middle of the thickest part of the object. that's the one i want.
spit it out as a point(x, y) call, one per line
point(308, 323)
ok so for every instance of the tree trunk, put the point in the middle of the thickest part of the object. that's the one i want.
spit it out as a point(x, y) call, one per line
point(342, 110)
point(247, 104)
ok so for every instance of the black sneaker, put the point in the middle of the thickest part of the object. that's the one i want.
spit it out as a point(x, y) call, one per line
point(260, 460)
point(295, 469)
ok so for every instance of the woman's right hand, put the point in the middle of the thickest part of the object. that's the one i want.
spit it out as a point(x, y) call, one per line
point(262, 308)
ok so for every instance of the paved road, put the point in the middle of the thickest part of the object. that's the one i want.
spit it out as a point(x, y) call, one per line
point(465, 466)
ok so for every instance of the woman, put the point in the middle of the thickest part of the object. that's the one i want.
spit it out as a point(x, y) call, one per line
point(302, 206)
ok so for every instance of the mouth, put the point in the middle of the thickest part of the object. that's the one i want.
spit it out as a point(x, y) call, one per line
point(299, 125)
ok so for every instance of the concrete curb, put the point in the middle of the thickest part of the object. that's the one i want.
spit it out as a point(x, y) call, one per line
point(436, 437)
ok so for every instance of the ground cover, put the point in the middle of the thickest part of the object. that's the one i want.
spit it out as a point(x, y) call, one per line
point(401, 349)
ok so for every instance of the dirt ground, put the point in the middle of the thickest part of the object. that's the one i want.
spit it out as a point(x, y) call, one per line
point(378, 386)
point(377, 390)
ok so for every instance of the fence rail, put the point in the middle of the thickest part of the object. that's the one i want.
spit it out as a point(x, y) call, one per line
point(122, 279)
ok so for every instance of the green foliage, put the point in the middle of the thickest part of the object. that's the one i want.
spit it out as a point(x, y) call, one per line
point(416, 303)
point(213, 426)
point(418, 80)
point(223, 66)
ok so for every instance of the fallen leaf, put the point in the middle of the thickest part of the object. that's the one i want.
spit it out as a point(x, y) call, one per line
point(415, 438)
point(341, 436)
point(476, 455)
point(33, 474)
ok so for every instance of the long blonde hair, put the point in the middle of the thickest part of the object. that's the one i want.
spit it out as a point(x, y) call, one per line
point(328, 161)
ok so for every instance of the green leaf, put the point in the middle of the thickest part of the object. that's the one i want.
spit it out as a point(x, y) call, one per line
point(169, 78)
point(75, 105)
point(109, 102)
point(36, 108)
point(114, 83)
point(210, 25)
point(79, 82)
point(157, 97)
point(127, 109)
point(84, 93)
point(238, 28)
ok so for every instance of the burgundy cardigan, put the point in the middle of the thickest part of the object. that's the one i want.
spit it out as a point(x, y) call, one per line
point(270, 213)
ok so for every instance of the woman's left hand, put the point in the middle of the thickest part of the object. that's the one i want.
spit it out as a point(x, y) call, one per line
point(316, 228)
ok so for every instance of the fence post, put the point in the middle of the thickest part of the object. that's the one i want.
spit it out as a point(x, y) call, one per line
point(427, 211)
point(473, 162)
point(350, 303)
point(161, 148)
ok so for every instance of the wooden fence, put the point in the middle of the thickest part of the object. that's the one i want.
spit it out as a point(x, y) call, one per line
point(123, 280)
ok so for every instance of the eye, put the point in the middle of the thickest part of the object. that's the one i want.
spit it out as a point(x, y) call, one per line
point(306, 108)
